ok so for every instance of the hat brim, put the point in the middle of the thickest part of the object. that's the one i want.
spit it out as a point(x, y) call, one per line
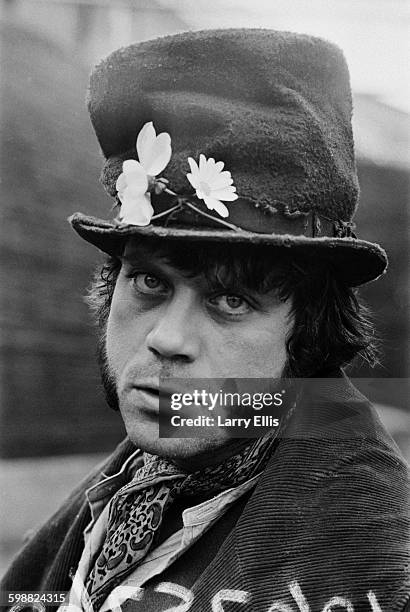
point(358, 261)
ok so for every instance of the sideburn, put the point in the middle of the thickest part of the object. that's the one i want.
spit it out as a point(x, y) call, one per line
point(107, 378)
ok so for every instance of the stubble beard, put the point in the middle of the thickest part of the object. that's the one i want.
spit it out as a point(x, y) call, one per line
point(107, 377)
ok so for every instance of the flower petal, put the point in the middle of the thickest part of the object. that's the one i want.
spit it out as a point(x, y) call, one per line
point(145, 139)
point(213, 175)
point(222, 210)
point(210, 202)
point(202, 162)
point(136, 211)
point(226, 175)
point(158, 157)
point(200, 194)
point(121, 182)
point(132, 166)
point(138, 180)
point(194, 180)
point(137, 185)
point(216, 205)
point(221, 183)
point(224, 194)
point(208, 173)
point(193, 165)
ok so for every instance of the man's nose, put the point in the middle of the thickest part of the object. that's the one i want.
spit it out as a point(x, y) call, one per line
point(175, 333)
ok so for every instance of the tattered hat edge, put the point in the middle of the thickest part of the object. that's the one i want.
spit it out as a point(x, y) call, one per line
point(109, 238)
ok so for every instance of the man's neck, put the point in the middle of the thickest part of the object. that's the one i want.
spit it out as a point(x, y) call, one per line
point(207, 459)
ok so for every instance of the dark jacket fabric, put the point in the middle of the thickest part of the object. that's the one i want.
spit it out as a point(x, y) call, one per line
point(326, 529)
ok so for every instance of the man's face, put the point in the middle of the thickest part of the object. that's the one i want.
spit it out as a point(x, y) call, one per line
point(163, 323)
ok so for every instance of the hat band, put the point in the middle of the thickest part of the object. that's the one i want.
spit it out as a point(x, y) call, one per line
point(247, 218)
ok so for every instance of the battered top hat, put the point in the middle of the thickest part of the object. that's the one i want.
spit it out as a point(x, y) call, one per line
point(238, 135)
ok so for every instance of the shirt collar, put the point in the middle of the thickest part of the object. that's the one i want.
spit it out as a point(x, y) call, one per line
point(99, 494)
point(207, 511)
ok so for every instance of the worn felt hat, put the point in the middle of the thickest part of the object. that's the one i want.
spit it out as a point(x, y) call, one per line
point(237, 135)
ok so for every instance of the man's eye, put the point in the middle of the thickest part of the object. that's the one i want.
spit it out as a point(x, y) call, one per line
point(149, 284)
point(231, 304)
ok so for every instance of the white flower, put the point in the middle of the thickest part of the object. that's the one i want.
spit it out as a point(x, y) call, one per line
point(211, 184)
point(154, 153)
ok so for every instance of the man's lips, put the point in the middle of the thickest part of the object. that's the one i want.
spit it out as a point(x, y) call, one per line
point(156, 389)
point(148, 388)
point(148, 396)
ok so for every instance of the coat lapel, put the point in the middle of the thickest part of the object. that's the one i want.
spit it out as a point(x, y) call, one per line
point(315, 528)
point(49, 557)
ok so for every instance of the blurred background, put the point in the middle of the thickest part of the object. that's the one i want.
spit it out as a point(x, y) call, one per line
point(54, 422)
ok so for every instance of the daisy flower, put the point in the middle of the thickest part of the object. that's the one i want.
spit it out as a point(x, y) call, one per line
point(154, 153)
point(212, 184)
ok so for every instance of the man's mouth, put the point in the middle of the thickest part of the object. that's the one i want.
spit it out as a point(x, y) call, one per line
point(146, 397)
point(148, 389)
point(150, 396)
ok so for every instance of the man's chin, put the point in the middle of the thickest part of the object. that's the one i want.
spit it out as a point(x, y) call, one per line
point(190, 453)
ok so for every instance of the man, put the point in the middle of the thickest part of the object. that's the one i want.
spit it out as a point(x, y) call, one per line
point(230, 157)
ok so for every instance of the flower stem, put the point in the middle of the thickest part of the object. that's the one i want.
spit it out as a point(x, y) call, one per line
point(166, 190)
point(198, 210)
point(221, 221)
point(166, 212)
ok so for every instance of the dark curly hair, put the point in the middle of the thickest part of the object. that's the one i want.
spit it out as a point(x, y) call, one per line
point(331, 326)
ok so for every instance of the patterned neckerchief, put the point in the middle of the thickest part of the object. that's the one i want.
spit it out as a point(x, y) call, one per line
point(136, 511)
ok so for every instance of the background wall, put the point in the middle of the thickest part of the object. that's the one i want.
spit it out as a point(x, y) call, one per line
point(54, 423)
